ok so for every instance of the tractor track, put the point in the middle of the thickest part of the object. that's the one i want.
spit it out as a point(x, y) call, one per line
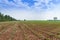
point(29, 34)
point(47, 33)
point(24, 31)
point(19, 35)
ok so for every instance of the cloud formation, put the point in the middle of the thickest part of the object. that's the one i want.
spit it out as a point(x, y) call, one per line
point(31, 9)
point(43, 4)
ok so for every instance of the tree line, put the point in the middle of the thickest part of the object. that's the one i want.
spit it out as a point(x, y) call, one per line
point(6, 18)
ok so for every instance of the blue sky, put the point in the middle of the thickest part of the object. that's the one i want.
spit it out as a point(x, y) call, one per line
point(31, 9)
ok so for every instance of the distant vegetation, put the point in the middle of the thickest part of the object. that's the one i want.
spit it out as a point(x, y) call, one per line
point(6, 18)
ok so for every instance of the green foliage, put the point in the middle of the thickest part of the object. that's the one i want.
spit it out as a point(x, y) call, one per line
point(6, 18)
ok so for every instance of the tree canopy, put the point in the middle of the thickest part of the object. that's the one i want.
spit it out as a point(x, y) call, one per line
point(6, 18)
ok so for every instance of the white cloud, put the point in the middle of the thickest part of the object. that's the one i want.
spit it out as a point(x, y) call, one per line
point(34, 12)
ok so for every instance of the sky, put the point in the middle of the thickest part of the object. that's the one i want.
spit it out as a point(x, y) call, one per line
point(31, 9)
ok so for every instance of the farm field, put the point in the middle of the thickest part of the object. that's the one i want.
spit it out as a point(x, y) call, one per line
point(30, 30)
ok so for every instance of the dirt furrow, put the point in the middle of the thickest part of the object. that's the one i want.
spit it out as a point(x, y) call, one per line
point(48, 35)
point(19, 35)
point(6, 35)
point(4, 27)
point(32, 33)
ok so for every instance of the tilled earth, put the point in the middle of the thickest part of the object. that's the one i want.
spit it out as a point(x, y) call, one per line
point(27, 31)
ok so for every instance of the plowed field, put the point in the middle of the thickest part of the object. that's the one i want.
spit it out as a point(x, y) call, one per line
point(30, 30)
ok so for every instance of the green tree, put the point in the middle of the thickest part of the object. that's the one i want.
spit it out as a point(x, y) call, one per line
point(6, 18)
